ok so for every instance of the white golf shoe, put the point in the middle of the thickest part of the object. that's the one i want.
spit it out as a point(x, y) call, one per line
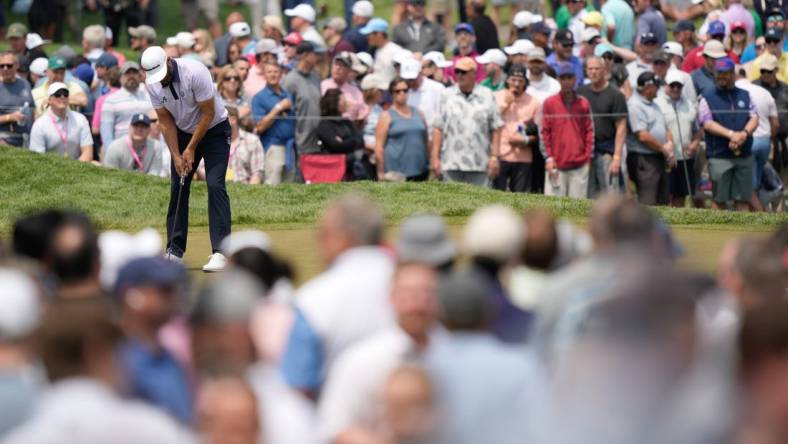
point(216, 262)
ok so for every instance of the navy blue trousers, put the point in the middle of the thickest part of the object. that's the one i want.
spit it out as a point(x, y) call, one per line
point(215, 149)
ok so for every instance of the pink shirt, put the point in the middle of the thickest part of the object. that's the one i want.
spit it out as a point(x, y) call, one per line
point(353, 97)
point(95, 123)
point(254, 83)
point(524, 110)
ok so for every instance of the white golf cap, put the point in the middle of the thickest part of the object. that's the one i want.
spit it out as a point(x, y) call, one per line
point(673, 48)
point(239, 240)
point(21, 305)
point(185, 39)
point(366, 59)
point(437, 58)
point(34, 40)
point(589, 34)
point(523, 19)
point(171, 41)
point(108, 33)
point(674, 76)
point(410, 69)
point(402, 55)
point(55, 87)
point(363, 8)
point(492, 56)
point(154, 63)
point(39, 66)
point(374, 81)
point(521, 46)
point(304, 11)
point(240, 29)
point(266, 46)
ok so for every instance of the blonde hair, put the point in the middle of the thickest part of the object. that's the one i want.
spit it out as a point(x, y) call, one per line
point(223, 74)
point(204, 37)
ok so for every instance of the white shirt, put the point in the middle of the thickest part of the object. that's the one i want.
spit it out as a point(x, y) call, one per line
point(85, 411)
point(47, 133)
point(287, 417)
point(312, 35)
point(192, 83)
point(541, 90)
point(764, 105)
point(350, 300)
point(577, 26)
point(427, 98)
point(384, 61)
point(636, 68)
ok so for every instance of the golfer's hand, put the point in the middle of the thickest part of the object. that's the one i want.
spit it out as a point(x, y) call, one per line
point(188, 161)
point(177, 161)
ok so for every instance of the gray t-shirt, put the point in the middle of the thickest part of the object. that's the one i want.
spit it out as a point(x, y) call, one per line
point(13, 97)
point(644, 116)
point(305, 87)
point(119, 156)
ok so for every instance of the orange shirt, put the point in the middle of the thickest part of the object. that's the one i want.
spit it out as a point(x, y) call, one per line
point(524, 110)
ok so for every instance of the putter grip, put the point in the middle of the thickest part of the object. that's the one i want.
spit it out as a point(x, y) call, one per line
point(183, 180)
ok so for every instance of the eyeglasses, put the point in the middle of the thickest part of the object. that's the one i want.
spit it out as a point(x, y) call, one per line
point(400, 91)
point(6, 66)
point(460, 72)
point(232, 79)
point(61, 93)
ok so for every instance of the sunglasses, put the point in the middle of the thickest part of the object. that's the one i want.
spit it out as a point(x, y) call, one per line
point(759, 47)
point(772, 42)
point(460, 72)
point(60, 94)
point(401, 90)
point(607, 56)
point(766, 71)
point(775, 18)
point(6, 66)
point(567, 45)
point(676, 86)
point(232, 79)
point(739, 31)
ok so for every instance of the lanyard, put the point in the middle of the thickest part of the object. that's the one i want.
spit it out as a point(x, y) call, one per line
point(62, 132)
point(133, 152)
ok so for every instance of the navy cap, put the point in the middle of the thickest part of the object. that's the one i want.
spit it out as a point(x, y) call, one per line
point(541, 28)
point(724, 64)
point(716, 28)
point(152, 271)
point(84, 73)
point(308, 46)
point(648, 37)
point(564, 36)
point(517, 70)
point(684, 25)
point(564, 69)
point(775, 11)
point(773, 34)
point(648, 78)
point(140, 118)
point(464, 27)
point(107, 60)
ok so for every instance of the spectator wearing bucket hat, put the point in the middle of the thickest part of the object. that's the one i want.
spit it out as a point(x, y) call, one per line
point(385, 50)
point(703, 77)
point(774, 43)
point(342, 78)
point(136, 151)
point(493, 61)
point(130, 100)
point(417, 33)
point(728, 137)
point(302, 20)
point(696, 58)
point(60, 130)
point(563, 42)
point(56, 72)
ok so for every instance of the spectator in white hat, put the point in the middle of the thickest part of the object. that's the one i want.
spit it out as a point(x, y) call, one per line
point(38, 69)
point(302, 21)
point(425, 93)
point(363, 10)
point(518, 51)
point(61, 130)
point(185, 41)
point(493, 60)
point(432, 66)
point(222, 43)
point(241, 34)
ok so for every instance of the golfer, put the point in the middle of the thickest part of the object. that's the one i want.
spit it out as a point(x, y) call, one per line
point(194, 123)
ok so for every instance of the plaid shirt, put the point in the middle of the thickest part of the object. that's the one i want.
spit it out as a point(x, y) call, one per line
point(246, 158)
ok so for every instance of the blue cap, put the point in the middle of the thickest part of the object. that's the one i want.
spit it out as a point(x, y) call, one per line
point(83, 72)
point(716, 28)
point(155, 271)
point(107, 60)
point(377, 24)
point(540, 27)
point(564, 69)
point(602, 49)
point(140, 118)
point(684, 25)
point(464, 27)
point(724, 64)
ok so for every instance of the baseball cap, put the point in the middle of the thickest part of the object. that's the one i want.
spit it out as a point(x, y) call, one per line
point(401, 55)
point(39, 66)
point(21, 304)
point(410, 69)
point(143, 31)
point(464, 27)
point(465, 64)
point(304, 10)
point(602, 49)
point(594, 18)
point(738, 25)
point(140, 118)
point(34, 40)
point(673, 48)
point(773, 34)
point(589, 34)
point(83, 72)
point(648, 37)
point(293, 38)
point(724, 64)
point(437, 58)
point(775, 11)
point(130, 65)
point(374, 81)
point(337, 23)
point(564, 69)
point(716, 28)
point(265, 46)
point(377, 24)
point(674, 76)
point(240, 29)
point(517, 70)
point(537, 53)
point(57, 62)
point(494, 232)
point(308, 46)
point(648, 78)
point(714, 49)
point(363, 8)
point(524, 19)
point(107, 60)
point(540, 27)
point(492, 56)
point(768, 62)
point(238, 240)
point(366, 59)
point(662, 56)
point(424, 238)
point(55, 87)
point(564, 36)
point(184, 39)
point(522, 46)
point(144, 271)
point(154, 64)
point(684, 25)
point(16, 30)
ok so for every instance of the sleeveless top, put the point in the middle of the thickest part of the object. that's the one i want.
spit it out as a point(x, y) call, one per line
point(406, 150)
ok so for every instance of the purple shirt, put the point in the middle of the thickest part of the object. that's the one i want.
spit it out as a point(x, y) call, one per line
point(704, 112)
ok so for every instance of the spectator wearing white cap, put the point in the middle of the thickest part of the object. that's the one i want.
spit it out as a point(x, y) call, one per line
point(376, 32)
point(332, 32)
point(185, 42)
point(425, 93)
point(493, 61)
point(341, 78)
point(222, 43)
point(136, 151)
point(265, 51)
point(118, 108)
point(302, 19)
point(241, 34)
point(35, 46)
point(60, 130)
point(432, 66)
point(518, 51)
point(363, 10)
point(417, 33)
point(14, 94)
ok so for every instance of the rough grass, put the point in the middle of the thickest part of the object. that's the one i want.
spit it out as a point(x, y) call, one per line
point(130, 201)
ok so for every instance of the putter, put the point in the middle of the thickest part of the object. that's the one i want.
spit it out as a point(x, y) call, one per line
point(175, 218)
point(690, 191)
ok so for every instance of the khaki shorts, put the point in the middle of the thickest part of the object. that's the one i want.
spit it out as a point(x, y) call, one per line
point(731, 179)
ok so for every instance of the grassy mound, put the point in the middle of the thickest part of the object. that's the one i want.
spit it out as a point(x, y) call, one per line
point(123, 200)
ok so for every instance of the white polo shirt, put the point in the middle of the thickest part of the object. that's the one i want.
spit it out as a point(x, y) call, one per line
point(46, 137)
point(426, 98)
point(191, 83)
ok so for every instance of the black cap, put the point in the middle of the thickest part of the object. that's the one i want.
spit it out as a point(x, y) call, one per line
point(564, 36)
point(684, 25)
point(662, 56)
point(648, 78)
point(308, 46)
point(773, 34)
point(648, 37)
point(517, 70)
point(140, 118)
point(775, 11)
point(540, 27)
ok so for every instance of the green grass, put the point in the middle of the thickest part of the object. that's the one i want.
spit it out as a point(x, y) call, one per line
point(129, 201)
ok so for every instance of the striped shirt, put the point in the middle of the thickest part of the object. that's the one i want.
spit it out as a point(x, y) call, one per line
point(117, 112)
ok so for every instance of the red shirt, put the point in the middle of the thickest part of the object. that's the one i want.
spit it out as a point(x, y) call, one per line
point(568, 131)
point(694, 59)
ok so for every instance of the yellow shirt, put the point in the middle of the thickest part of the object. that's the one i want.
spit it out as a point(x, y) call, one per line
point(782, 68)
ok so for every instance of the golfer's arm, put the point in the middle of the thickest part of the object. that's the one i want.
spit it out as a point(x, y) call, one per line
point(168, 130)
point(206, 117)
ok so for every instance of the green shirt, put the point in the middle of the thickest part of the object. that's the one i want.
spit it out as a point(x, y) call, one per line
point(488, 83)
point(562, 17)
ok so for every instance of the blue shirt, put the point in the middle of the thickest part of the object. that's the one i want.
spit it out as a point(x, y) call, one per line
point(577, 65)
point(302, 361)
point(282, 131)
point(155, 376)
